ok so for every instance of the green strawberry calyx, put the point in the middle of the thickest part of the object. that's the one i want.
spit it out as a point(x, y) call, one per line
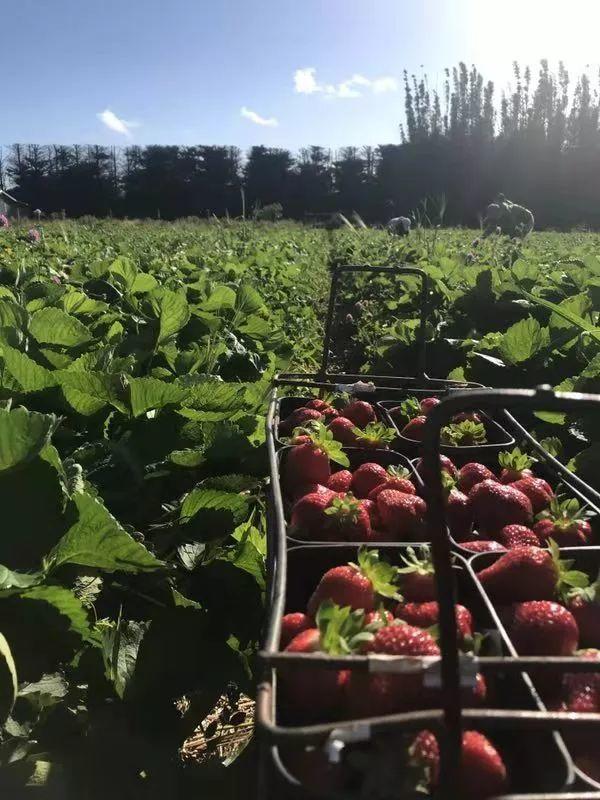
point(568, 579)
point(591, 593)
point(515, 460)
point(322, 438)
point(448, 483)
point(461, 434)
point(383, 576)
point(341, 630)
point(346, 510)
point(410, 408)
point(564, 513)
point(422, 565)
point(374, 434)
point(398, 472)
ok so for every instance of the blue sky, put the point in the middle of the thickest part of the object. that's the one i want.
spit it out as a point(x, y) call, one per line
point(277, 72)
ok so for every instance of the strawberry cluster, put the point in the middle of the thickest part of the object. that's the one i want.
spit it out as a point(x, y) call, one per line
point(354, 424)
point(372, 503)
point(465, 429)
point(374, 607)
point(512, 507)
point(549, 609)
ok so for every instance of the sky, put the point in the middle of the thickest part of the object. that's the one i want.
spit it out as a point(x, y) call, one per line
point(283, 73)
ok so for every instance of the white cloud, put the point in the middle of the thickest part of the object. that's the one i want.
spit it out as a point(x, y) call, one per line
point(110, 119)
point(305, 82)
point(267, 122)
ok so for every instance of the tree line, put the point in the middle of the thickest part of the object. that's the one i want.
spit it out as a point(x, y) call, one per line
point(538, 143)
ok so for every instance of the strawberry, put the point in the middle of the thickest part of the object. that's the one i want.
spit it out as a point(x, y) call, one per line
point(348, 519)
point(315, 694)
point(360, 413)
point(471, 474)
point(414, 429)
point(467, 416)
point(544, 628)
point(318, 405)
point(298, 418)
point(565, 522)
point(402, 515)
point(309, 519)
point(343, 430)
point(308, 488)
point(483, 546)
point(340, 481)
point(537, 490)
point(496, 505)
point(367, 477)
point(397, 478)
point(357, 585)
point(373, 513)
point(292, 625)
point(384, 693)
point(515, 535)
point(427, 403)
point(426, 615)
point(482, 771)
point(463, 434)
point(515, 465)
point(408, 409)
point(529, 573)
point(459, 514)
point(446, 465)
point(584, 604)
point(581, 690)
point(417, 580)
point(379, 617)
point(375, 436)
point(309, 462)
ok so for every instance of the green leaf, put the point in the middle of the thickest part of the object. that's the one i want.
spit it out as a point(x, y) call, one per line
point(174, 313)
point(222, 297)
point(247, 532)
point(247, 556)
point(53, 326)
point(12, 315)
point(64, 603)
point(120, 647)
point(211, 513)
point(143, 282)
point(247, 300)
point(523, 340)
point(98, 540)
point(124, 272)
point(88, 392)
point(18, 580)
point(183, 601)
point(52, 686)
point(8, 681)
point(28, 373)
point(151, 393)
point(77, 302)
point(216, 396)
point(568, 315)
point(23, 434)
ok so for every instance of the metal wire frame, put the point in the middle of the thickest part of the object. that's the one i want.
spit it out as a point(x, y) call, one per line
point(488, 399)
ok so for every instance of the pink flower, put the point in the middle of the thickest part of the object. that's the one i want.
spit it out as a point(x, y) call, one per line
point(55, 279)
point(4, 223)
point(34, 235)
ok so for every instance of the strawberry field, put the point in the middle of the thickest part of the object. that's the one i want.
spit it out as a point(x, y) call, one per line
point(136, 365)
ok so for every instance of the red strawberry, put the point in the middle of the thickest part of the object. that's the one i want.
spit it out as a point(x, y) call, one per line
point(356, 585)
point(379, 617)
point(427, 403)
point(360, 413)
point(383, 693)
point(298, 418)
point(496, 505)
point(417, 583)
point(537, 490)
point(482, 770)
point(402, 515)
point(467, 416)
point(292, 625)
point(367, 477)
point(318, 405)
point(463, 434)
point(566, 523)
point(348, 519)
point(516, 535)
point(584, 604)
point(515, 465)
point(309, 519)
point(373, 513)
point(582, 689)
point(425, 615)
point(483, 546)
point(309, 488)
point(397, 479)
point(472, 474)
point(544, 628)
point(523, 573)
point(459, 514)
point(308, 462)
point(340, 481)
point(415, 429)
point(343, 430)
point(446, 465)
point(316, 694)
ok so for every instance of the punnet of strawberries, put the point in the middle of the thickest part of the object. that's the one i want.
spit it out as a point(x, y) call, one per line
point(353, 423)
point(498, 507)
point(466, 429)
point(371, 606)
